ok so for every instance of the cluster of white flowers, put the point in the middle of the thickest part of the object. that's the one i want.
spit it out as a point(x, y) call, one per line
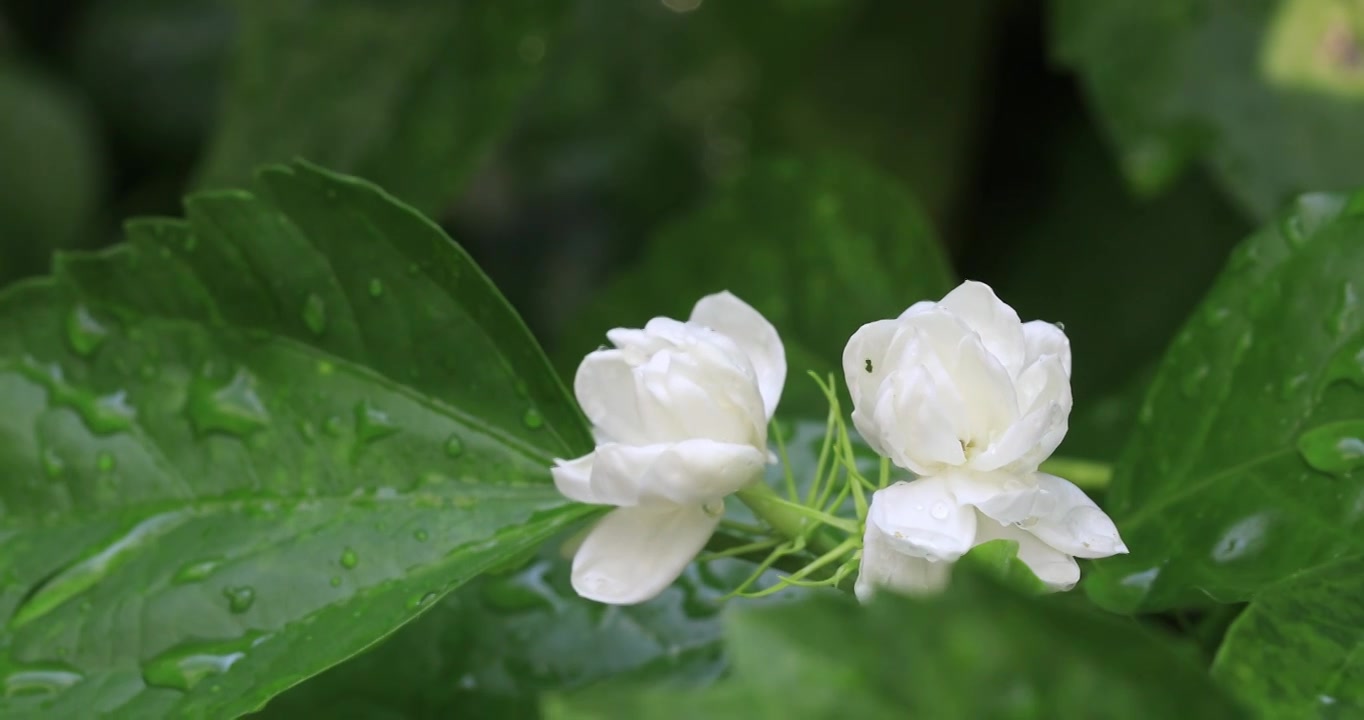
point(958, 392)
point(971, 400)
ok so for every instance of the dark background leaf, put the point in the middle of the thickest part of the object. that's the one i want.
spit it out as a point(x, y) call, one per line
point(1269, 95)
point(977, 652)
point(409, 94)
point(827, 245)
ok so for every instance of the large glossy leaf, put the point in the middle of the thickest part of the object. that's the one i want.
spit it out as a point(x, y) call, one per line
point(408, 94)
point(1268, 93)
point(491, 648)
point(1298, 650)
point(1244, 466)
point(240, 448)
point(818, 246)
point(977, 652)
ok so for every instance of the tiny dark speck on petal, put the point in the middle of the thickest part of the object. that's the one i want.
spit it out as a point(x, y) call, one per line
point(868, 366)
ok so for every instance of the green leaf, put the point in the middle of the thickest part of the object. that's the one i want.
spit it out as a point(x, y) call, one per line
point(1268, 94)
point(999, 559)
point(1298, 650)
point(979, 651)
point(243, 447)
point(492, 647)
point(818, 246)
point(408, 94)
point(1240, 473)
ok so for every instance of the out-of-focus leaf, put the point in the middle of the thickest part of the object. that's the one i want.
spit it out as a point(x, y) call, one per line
point(1244, 468)
point(979, 651)
point(1298, 650)
point(1060, 238)
point(407, 93)
point(820, 247)
point(1269, 94)
point(234, 456)
point(154, 69)
point(51, 171)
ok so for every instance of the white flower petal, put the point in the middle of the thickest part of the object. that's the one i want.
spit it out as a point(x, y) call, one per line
point(1073, 524)
point(922, 518)
point(864, 369)
point(683, 396)
point(986, 392)
point(1026, 443)
point(1041, 339)
point(755, 336)
point(995, 322)
point(573, 478)
point(689, 472)
point(1055, 569)
point(605, 387)
point(913, 420)
point(1005, 497)
point(917, 308)
point(885, 567)
point(633, 554)
point(1042, 383)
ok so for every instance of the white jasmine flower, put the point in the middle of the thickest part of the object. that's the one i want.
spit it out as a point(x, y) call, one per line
point(915, 530)
point(680, 413)
point(960, 384)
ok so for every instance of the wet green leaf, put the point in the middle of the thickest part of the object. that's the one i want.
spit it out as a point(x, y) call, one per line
point(1298, 650)
point(1240, 472)
point(228, 463)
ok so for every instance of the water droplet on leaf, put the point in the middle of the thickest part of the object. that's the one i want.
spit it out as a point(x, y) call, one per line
point(195, 571)
point(52, 463)
point(240, 599)
point(533, 419)
point(1335, 448)
point(84, 331)
point(104, 461)
point(349, 559)
point(371, 423)
point(315, 314)
point(1193, 380)
point(421, 535)
point(234, 408)
point(1343, 314)
point(376, 287)
point(21, 680)
point(454, 446)
point(184, 666)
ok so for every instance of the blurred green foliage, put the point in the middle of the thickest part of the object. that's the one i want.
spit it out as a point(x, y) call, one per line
point(829, 160)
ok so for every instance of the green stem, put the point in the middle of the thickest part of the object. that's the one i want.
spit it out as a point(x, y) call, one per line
point(1087, 474)
point(783, 518)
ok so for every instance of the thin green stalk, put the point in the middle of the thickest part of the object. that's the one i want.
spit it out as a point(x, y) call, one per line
point(1087, 474)
point(788, 476)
